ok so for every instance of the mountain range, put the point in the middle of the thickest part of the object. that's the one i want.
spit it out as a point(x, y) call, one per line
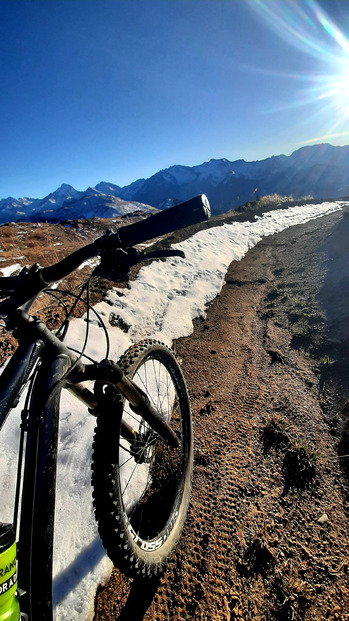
point(321, 171)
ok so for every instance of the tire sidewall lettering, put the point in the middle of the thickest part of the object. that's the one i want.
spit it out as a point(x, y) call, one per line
point(154, 544)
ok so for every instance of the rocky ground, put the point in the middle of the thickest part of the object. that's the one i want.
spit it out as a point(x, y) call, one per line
point(267, 531)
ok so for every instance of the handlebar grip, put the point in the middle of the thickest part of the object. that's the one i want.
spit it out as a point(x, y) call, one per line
point(8, 284)
point(191, 212)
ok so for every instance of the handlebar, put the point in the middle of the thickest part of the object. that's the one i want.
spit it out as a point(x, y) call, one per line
point(185, 214)
point(191, 212)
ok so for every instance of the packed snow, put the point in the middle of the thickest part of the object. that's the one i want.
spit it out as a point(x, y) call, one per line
point(161, 303)
point(7, 271)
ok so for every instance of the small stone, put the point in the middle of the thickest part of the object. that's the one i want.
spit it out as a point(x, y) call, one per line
point(116, 321)
point(323, 519)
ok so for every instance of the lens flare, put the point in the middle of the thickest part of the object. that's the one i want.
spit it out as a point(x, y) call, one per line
point(325, 91)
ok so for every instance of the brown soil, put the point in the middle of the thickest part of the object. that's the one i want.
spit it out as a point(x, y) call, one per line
point(45, 244)
point(267, 531)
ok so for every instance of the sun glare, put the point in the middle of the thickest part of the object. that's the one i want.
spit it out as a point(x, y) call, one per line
point(325, 90)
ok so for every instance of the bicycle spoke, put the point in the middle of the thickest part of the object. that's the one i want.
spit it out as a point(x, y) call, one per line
point(152, 491)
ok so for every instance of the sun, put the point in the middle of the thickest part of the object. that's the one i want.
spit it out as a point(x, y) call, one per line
point(331, 91)
point(343, 88)
point(323, 92)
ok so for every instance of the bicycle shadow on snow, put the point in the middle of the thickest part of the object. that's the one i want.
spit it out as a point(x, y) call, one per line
point(71, 576)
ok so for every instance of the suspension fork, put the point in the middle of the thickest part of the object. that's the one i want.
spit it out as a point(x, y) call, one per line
point(110, 372)
point(99, 403)
point(36, 530)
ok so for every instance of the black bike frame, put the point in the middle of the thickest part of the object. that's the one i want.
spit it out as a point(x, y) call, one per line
point(57, 369)
point(37, 506)
point(15, 375)
point(39, 489)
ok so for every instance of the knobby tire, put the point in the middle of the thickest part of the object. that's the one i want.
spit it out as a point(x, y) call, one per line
point(141, 515)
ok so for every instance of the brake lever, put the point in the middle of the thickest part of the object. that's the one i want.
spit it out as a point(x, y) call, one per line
point(28, 286)
point(116, 265)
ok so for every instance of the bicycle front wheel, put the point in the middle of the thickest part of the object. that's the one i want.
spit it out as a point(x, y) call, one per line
point(141, 486)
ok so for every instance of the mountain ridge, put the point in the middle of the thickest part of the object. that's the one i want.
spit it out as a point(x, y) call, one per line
point(321, 171)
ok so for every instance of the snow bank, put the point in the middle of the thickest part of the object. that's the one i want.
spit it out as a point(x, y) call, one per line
point(7, 271)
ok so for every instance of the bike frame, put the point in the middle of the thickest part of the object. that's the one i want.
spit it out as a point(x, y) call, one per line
point(36, 480)
point(50, 365)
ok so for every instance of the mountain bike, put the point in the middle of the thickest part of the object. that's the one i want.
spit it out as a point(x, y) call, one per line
point(142, 446)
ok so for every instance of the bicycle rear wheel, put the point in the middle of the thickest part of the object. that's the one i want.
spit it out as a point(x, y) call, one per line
point(141, 487)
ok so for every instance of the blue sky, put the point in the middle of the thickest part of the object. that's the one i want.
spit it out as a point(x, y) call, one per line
point(115, 90)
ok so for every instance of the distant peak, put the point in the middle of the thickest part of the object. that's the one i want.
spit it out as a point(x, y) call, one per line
point(65, 187)
point(217, 159)
point(323, 146)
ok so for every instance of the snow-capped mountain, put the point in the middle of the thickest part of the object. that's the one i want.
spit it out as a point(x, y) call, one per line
point(321, 171)
point(110, 189)
point(66, 203)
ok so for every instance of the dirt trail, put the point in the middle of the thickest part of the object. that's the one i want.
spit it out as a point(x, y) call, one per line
point(267, 532)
